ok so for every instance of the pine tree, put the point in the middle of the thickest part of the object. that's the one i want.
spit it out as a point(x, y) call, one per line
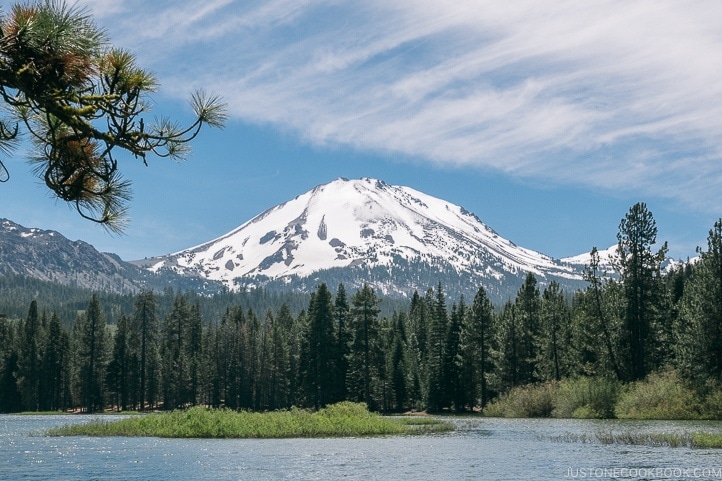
point(476, 337)
point(554, 336)
point(364, 348)
point(54, 366)
point(143, 339)
point(506, 351)
point(90, 345)
point(436, 398)
point(597, 333)
point(639, 270)
point(342, 309)
point(118, 371)
point(699, 328)
point(10, 399)
point(279, 365)
point(175, 370)
point(82, 102)
point(318, 355)
point(398, 363)
point(452, 365)
point(291, 331)
point(528, 303)
point(30, 358)
point(194, 354)
point(253, 343)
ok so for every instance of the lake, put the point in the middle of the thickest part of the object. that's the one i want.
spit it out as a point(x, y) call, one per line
point(481, 448)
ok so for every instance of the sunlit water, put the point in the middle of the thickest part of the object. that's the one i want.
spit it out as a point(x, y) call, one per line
point(493, 449)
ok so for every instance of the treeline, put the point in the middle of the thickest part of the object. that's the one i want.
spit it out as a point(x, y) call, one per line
point(435, 353)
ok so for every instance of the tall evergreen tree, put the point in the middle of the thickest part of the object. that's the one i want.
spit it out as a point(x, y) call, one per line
point(418, 352)
point(639, 270)
point(292, 331)
point(699, 328)
point(506, 350)
point(597, 333)
point(398, 362)
point(318, 356)
point(528, 303)
point(365, 346)
point(341, 310)
point(452, 367)
point(118, 371)
point(54, 366)
point(10, 399)
point(436, 397)
point(175, 369)
point(278, 362)
point(194, 354)
point(476, 337)
point(554, 336)
point(30, 357)
point(90, 345)
point(143, 340)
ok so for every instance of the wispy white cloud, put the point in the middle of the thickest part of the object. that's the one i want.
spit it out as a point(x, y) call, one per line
point(605, 93)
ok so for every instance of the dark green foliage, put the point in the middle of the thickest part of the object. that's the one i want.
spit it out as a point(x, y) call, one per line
point(639, 270)
point(89, 341)
point(476, 363)
point(452, 366)
point(143, 350)
point(553, 339)
point(10, 399)
point(345, 336)
point(699, 327)
point(30, 357)
point(398, 364)
point(436, 398)
point(54, 374)
point(516, 334)
point(318, 368)
point(543, 354)
point(365, 348)
point(598, 323)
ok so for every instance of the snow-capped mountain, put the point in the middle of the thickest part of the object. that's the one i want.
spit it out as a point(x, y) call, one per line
point(355, 231)
point(606, 259)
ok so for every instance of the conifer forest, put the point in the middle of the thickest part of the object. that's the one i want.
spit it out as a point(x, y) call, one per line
point(431, 352)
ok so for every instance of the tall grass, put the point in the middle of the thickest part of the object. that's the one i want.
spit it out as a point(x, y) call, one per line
point(672, 440)
point(338, 420)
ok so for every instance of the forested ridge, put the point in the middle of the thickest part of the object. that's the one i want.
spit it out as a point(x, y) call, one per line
point(432, 352)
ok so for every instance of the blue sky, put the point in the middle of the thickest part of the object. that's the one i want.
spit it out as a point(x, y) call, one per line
point(547, 119)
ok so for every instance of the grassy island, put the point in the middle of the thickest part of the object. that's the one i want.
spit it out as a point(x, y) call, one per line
point(344, 419)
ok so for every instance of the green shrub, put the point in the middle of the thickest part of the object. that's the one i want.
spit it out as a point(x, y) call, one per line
point(662, 395)
point(530, 401)
point(586, 398)
point(713, 403)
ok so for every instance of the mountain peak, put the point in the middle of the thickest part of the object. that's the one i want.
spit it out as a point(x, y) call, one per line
point(392, 233)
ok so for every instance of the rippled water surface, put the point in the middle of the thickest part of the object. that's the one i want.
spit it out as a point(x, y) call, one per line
point(494, 449)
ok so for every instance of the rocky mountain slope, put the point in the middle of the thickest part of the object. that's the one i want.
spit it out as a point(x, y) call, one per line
point(49, 256)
